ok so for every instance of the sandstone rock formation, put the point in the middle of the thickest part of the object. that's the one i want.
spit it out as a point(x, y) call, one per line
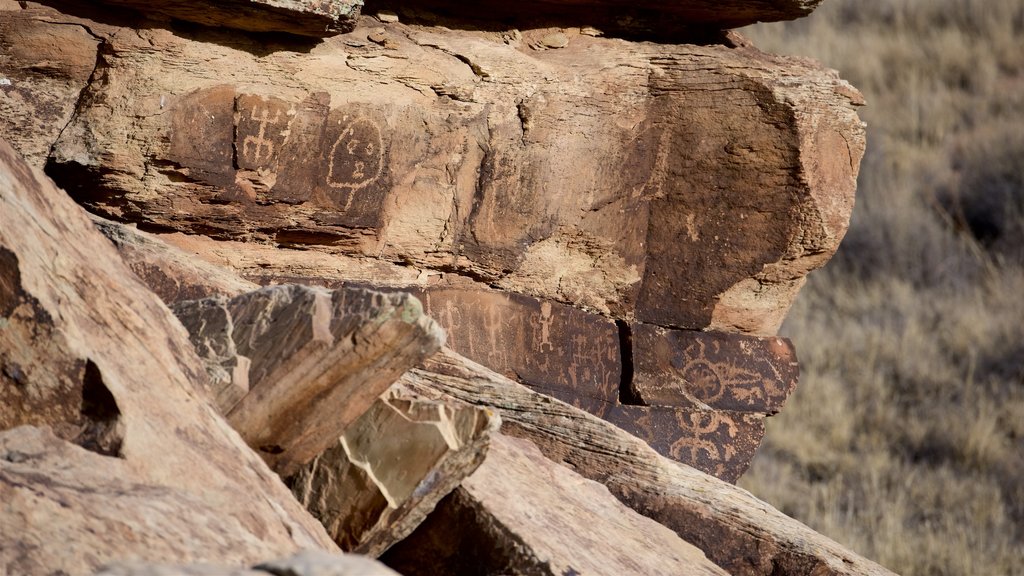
point(428, 159)
point(106, 435)
point(308, 563)
point(609, 207)
point(391, 467)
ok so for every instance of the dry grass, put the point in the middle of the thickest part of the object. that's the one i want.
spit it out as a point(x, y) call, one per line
point(905, 440)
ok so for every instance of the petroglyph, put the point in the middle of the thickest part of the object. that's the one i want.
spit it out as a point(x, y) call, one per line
point(712, 370)
point(288, 152)
point(357, 156)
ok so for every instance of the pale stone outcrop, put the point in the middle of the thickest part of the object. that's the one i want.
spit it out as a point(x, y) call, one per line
point(307, 563)
point(109, 447)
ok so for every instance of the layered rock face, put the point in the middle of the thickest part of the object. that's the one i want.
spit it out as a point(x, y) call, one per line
point(602, 210)
point(548, 193)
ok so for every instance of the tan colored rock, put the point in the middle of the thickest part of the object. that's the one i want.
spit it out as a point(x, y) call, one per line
point(737, 531)
point(520, 513)
point(110, 447)
point(391, 467)
point(44, 65)
point(315, 360)
point(724, 177)
point(318, 563)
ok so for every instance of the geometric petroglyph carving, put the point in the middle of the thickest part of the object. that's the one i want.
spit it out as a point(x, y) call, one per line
point(712, 370)
point(266, 150)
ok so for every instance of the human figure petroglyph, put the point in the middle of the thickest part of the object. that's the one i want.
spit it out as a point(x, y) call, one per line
point(545, 328)
point(259, 141)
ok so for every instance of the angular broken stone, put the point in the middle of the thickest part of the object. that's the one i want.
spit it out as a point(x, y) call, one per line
point(521, 513)
point(734, 529)
point(712, 370)
point(389, 469)
point(108, 448)
point(318, 360)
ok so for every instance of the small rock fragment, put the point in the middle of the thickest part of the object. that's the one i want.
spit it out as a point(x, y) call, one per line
point(591, 31)
point(555, 40)
point(387, 17)
point(377, 36)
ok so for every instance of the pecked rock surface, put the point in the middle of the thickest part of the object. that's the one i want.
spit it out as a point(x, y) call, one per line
point(108, 445)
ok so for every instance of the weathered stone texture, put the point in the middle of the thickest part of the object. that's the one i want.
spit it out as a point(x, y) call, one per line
point(707, 180)
point(520, 513)
point(108, 447)
point(306, 563)
point(171, 273)
point(302, 17)
point(712, 370)
point(738, 532)
point(391, 467)
point(313, 360)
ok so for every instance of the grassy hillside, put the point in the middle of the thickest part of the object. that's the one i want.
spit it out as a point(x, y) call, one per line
point(905, 439)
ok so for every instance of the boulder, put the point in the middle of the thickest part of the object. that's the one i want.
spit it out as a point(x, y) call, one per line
point(307, 563)
point(391, 467)
point(735, 530)
point(305, 363)
point(520, 513)
point(109, 447)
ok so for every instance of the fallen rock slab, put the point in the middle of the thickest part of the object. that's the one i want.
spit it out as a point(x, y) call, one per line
point(735, 530)
point(390, 468)
point(521, 513)
point(314, 360)
point(110, 447)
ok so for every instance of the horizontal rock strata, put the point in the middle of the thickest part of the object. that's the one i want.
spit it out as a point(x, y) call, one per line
point(725, 176)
